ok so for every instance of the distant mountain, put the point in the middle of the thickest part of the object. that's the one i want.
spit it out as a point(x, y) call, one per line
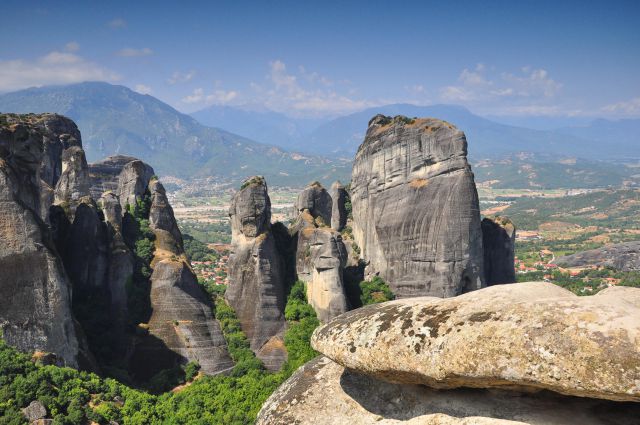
point(262, 125)
point(620, 139)
point(486, 138)
point(114, 119)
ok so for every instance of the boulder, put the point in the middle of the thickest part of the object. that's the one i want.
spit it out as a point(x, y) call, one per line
point(415, 206)
point(529, 336)
point(35, 292)
point(256, 289)
point(34, 411)
point(339, 197)
point(320, 260)
point(323, 393)
point(317, 200)
point(499, 246)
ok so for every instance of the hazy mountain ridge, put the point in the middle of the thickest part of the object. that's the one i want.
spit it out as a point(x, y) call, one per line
point(116, 120)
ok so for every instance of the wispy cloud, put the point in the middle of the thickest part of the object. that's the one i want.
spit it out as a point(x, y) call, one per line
point(180, 77)
point(627, 108)
point(142, 89)
point(129, 52)
point(216, 97)
point(54, 68)
point(117, 23)
point(72, 46)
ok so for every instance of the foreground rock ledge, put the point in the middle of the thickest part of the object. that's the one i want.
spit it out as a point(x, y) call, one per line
point(528, 335)
point(323, 392)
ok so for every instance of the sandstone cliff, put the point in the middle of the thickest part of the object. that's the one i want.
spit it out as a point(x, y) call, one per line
point(35, 293)
point(415, 207)
point(257, 283)
point(499, 246)
point(339, 198)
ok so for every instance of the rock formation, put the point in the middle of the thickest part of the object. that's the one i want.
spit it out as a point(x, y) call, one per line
point(257, 284)
point(181, 322)
point(479, 358)
point(317, 200)
point(320, 260)
point(531, 335)
point(623, 256)
point(415, 207)
point(35, 293)
point(67, 229)
point(499, 246)
point(339, 197)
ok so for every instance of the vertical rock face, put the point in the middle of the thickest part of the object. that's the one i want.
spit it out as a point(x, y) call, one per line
point(415, 207)
point(35, 294)
point(181, 327)
point(132, 182)
point(256, 288)
point(317, 200)
point(339, 197)
point(103, 175)
point(320, 260)
point(499, 243)
point(73, 184)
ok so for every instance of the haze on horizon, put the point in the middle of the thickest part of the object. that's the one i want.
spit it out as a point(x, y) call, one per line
point(515, 60)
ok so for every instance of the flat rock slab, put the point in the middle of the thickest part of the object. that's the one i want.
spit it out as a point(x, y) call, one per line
point(323, 392)
point(531, 335)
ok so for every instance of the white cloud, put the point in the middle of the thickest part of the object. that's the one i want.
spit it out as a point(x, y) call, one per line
point(625, 108)
point(117, 23)
point(129, 52)
point(72, 46)
point(529, 91)
point(217, 97)
point(179, 77)
point(142, 89)
point(53, 68)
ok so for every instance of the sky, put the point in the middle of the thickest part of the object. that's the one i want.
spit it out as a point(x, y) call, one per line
point(325, 58)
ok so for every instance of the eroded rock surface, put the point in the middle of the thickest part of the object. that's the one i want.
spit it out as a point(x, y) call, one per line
point(320, 260)
point(35, 293)
point(257, 284)
point(531, 335)
point(499, 246)
point(415, 207)
point(339, 197)
point(317, 201)
point(133, 182)
point(323, 392)
point(104, 174)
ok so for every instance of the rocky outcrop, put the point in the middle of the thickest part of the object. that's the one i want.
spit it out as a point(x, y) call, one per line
point(34, 411)
point(479, 358)
point(35, 293)
point(324, 393)
point(317, 200)
point(623, 256)
point(182, 327)
point(133, 182)
point(415, 207)
point(104, 174)
point(73, 184)
point(528, 335)
point(339, 197)
point(499, 246)
point(320, 260)
point(256, 289)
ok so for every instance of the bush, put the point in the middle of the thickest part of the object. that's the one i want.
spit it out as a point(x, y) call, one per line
point(375, 291)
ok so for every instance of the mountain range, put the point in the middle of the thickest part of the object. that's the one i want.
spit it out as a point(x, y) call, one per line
point(116, 120)
point(294, 151)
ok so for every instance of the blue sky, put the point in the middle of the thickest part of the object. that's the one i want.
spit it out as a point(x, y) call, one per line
point(311, 58)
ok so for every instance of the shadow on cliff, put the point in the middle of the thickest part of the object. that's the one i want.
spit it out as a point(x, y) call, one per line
point(404, 402)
